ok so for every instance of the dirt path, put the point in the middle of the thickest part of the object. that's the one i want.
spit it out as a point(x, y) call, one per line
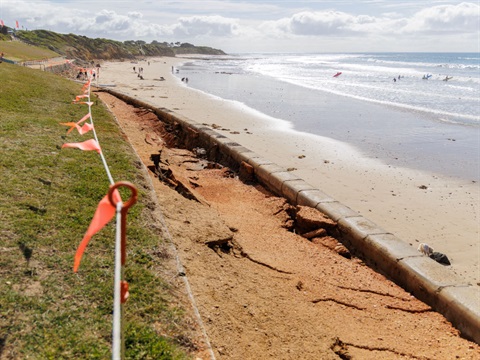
point(265, 292)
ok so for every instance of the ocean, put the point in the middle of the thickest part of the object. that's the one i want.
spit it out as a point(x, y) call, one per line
point(416, 110)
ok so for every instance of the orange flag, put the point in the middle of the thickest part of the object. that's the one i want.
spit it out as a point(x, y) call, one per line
point(84, 129)
point(85, 87)
point(78, 97)
point(83, 119)
point(104, 213)
point(86, 145)
point(72, 126)
point(81, 130)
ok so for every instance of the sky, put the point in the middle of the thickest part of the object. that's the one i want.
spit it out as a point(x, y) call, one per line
point(249, 26)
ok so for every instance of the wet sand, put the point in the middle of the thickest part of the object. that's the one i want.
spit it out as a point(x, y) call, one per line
point(414, 205)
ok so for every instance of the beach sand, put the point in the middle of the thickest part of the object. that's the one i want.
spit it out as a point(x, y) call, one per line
point(416, 206)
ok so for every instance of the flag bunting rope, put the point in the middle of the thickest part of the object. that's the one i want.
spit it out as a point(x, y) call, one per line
point(110, 205)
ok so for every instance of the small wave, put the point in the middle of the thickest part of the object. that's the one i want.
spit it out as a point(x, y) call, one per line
point(455, 118)
point(446, 116)
point(469, 58)
point(459, 66)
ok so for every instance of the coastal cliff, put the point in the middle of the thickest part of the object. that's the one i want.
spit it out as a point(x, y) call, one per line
point(84, 48)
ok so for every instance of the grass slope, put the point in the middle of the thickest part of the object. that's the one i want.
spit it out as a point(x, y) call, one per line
point(18, 51)
point(47, 199)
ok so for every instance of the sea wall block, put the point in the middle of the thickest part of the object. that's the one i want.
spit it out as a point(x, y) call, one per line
point(312, 198)
point(292, 188)
point(335, 210)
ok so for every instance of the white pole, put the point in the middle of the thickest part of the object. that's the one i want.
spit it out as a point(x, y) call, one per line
point(117, 341)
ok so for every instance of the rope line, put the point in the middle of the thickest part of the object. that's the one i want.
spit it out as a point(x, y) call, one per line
point(104, 161)
point(120, 291)
point(183, 275)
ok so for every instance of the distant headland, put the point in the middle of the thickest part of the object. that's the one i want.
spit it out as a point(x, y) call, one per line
point(84, 48)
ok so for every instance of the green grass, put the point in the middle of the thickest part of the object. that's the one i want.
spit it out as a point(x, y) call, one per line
point(47, 198)
point(18, 51)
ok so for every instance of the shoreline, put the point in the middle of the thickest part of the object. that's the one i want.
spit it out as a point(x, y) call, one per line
point(445, 215)
point(395, 135)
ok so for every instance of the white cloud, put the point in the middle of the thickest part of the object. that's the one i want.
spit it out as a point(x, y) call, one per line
point(135, 15)
point(459, 18)
point(435, 28)
point(111, 21)
point(205, 25)
point(326, 23)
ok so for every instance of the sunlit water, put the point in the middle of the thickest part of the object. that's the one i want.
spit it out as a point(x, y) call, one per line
point(380, 102)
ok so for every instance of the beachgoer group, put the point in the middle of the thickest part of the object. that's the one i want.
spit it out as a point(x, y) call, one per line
point(140, 72)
